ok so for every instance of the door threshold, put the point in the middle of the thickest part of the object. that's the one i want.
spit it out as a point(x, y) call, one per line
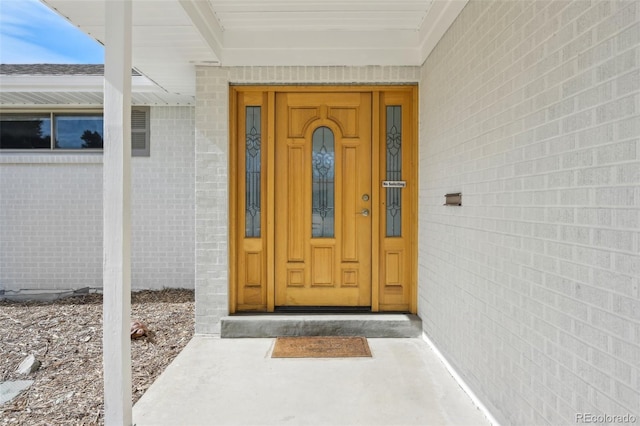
point(322, 309)
point(365, 324)
point(309, 310)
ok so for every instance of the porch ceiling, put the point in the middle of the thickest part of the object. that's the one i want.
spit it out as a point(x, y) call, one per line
point(172, 36)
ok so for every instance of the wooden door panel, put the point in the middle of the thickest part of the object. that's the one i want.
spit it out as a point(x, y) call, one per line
point(349, 206)
point(322, 265)
point(295, 276)
point(295, 236)
point(299, 119)
point(347, 119)
point(335, 268)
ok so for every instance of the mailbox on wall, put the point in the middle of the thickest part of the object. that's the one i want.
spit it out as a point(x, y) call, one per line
point(454, 199)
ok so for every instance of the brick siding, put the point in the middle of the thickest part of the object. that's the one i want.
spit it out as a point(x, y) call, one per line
point(530, 289)
point(51, 214)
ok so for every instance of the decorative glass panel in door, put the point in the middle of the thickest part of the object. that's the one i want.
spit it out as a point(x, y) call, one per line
point(323, 166)
point(253, 172)
point(394, 170)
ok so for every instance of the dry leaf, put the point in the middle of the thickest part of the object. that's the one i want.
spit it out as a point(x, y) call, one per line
point(138, 329)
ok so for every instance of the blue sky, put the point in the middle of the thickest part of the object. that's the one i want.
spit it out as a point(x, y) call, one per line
point(31, 33)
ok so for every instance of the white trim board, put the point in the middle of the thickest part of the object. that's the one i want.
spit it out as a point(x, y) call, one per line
point(474, 398)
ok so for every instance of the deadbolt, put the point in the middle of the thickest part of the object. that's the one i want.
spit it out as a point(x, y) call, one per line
point(365, 197)
point(365, 212)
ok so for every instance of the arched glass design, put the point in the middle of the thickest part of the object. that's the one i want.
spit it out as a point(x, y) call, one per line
point(394, 170)
point(323, 202)
point(252, 172)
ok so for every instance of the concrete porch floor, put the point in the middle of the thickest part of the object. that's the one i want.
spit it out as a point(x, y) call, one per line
point(216, 381)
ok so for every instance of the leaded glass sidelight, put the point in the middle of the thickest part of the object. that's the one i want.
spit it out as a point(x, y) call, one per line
point(394, 170)
point(323, 163)
point(252, 172)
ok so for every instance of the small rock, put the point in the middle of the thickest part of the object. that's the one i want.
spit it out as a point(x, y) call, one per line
point(28, 366)
point(63, 398)
point(9, 390)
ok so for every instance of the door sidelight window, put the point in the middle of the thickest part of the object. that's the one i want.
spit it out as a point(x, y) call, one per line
point(394, 170)
point(252, 172)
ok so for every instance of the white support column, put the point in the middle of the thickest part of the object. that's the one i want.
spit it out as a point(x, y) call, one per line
point(117, 214)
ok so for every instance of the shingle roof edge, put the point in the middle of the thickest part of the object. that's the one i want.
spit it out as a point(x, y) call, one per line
point(55, 69)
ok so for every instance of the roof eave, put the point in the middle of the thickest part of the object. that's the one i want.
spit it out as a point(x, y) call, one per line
point(68, 83)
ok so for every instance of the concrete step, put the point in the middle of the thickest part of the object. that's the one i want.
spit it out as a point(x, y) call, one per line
point(367, 325)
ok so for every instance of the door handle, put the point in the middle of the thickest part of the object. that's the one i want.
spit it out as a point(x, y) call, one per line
point(365, 212)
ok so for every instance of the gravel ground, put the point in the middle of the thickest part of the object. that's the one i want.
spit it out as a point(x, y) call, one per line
point(66, 336)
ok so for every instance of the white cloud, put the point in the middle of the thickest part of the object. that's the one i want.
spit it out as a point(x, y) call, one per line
point(18, 51)
point(19, 13)
point(32, 33)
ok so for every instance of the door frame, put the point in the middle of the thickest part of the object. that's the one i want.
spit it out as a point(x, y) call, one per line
point(262, 294)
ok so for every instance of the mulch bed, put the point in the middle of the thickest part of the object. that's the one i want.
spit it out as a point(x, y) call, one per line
point(66, 336)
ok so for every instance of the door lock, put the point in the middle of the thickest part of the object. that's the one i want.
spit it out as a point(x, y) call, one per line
point(365, 197)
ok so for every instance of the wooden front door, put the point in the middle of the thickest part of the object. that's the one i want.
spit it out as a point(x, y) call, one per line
point(323, 199)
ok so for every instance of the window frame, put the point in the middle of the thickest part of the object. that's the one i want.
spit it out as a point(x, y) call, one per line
point(52, 113)
point(55, 124)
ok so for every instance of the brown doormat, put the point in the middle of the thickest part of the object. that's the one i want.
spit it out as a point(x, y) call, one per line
point(320, 347)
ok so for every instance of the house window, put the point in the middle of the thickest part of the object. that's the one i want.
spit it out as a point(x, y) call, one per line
point(77, 131)
point(25, 131)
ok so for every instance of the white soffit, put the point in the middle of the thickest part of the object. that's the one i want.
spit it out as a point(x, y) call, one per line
point(170, 37)
point(329, 32)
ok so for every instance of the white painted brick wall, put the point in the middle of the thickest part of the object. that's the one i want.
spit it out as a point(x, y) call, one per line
point(51, 214)
point(163, 226)
point(51, 224)
point(212, 157)
point(531, 288)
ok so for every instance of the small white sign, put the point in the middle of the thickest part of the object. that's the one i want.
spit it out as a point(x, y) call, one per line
point(394, 183)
